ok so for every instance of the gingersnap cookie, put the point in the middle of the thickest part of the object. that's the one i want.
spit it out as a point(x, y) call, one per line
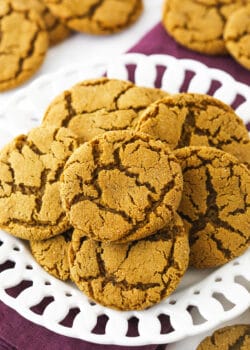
point(130, 276)
point(96, 17)
point(95, 106)
point(121, 186)
point(52, 254)
point(237, 36)
point(57, 31)
point(199, 24)
point(215, 205)
point(23, 46)
point(235, 337)
point(30, 169)
point(197, 120)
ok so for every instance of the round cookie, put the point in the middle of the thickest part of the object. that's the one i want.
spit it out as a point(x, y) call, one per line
point(23, 46)
point(95, 16)
point(121, 186)
point(215, 205)
point(95, 106)
point(196, 120)
point(130, 276)
point(199, 24)
point(52, 254)
point(30, 169)
point(237, 36)
point(57, 31)
point(235, 337)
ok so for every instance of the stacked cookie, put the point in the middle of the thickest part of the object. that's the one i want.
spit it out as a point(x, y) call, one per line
point(29, 27)
point(120, 182)
point(211, 27)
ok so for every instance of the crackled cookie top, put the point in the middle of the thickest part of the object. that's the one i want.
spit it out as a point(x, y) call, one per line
point(30, 169)
point(199, 24)
point(121, 186)
point(95, 106)
point(95, 16)
point(235, 337)
point(23, 45)
point(237, 36)
point(215, 205)
point(130, 276)
point(196, 120)
point(57, 31)
point(52, 254)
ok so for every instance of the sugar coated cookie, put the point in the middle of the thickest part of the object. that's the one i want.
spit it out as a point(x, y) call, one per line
point(228, 338)
point(95, 16)
point(121, 186)
point(95, 106)
point(130, 276)
point(57, 31)
point(30, 169)
point(199, 24)
point(52, 254)
point(215, 205)
point(196, 120)
point(237, 36)
point(23, 46)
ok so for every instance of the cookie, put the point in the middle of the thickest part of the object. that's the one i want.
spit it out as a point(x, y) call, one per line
point(57, 31)
point(23, 46)
point(95, 106)
point(215, 205)
point(96, 17)
point(30, 169)
point(199, 24)
point(130, 276)
point(197, 120)
point(237, 36)
point(52, 254)
point(121, 186)
point(228, 338)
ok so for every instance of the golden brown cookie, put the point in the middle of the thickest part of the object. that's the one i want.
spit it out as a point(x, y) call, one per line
point(215, 205)
point(228, 338)
point(95, 16)
point(95, 106)
point(52, 254)
point(57, 31)
point(30, 169)
point(197, 120)
point(23, 45)
point(237, 36)
point(130, 276)
point(121, 186)
point(199, 24)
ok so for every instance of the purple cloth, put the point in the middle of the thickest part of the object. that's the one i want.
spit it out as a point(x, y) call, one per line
point(16, 333)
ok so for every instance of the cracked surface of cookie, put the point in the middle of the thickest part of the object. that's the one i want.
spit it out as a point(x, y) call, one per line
point(30, 169)
point(52, 254)
point(96, 16)
point(237, 36)
point(57, 31)
point(235, 337)
point(199, 24)
point(197, 120)
point(215, 205)
point(23, 45)
point(95, 106)
point(130, 276)
point(121, 186)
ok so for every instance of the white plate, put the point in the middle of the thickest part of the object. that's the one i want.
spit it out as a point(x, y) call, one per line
point(203, 300)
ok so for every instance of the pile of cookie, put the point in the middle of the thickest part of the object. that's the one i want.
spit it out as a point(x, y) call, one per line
point(122, 187)
point(210, 26)
point(29, 27)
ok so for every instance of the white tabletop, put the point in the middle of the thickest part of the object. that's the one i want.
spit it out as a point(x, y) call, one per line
point(83, 49)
